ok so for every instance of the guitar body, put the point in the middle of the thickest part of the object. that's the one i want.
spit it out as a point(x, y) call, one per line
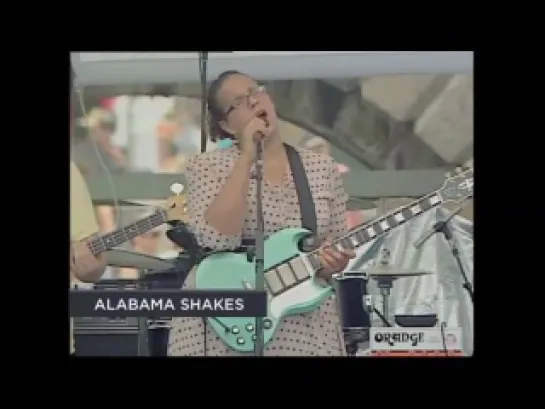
point(233, 271)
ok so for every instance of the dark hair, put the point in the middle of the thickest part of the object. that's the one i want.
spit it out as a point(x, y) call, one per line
point(215, 113)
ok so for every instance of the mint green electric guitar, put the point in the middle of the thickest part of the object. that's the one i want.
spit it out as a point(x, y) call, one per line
point(289, 273)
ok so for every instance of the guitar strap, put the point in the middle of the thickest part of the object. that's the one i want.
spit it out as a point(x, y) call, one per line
point(306, 203)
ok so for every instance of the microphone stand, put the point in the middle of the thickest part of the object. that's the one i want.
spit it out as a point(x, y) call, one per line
point(442, 227)
point(259, 254)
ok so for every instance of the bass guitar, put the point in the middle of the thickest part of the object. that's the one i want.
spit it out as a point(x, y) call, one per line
point(173, 210)
point(289, 272)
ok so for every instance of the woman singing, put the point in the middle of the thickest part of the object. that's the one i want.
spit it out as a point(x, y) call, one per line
point(222, 210)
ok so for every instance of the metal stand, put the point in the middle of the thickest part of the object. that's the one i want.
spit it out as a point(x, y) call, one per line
point(143, 334)
point(357, 340)
point(259, 254)
point(442, 227)
point(385, 284)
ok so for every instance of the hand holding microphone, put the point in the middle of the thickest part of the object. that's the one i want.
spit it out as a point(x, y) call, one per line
point(256, 130)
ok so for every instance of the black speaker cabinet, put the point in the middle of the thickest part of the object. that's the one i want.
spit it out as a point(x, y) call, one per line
point(106, 337)
point(99, 336)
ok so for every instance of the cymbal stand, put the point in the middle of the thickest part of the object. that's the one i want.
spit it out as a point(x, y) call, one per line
point(382, 318)
point(385, 285)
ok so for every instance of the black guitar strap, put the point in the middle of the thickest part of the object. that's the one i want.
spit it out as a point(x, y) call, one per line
point(306, 203)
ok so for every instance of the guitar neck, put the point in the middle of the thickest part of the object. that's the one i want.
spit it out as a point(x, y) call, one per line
point(108, 241)
point(367, 232)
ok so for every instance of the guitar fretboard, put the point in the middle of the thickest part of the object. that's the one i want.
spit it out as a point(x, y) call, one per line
point(364, 234)
point(119, 236)
point(293, 272)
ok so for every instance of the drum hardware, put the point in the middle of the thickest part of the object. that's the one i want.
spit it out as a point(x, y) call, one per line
point(416, 321)
point(385, 275)
point(355, 305)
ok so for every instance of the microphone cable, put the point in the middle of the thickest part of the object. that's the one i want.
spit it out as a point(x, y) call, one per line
point(203, 61)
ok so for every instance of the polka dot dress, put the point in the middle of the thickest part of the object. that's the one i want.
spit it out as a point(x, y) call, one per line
point(312, 334)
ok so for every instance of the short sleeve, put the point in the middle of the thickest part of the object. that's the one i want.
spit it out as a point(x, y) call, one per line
point(83, 221)
point(338, 226)
point(203, 185)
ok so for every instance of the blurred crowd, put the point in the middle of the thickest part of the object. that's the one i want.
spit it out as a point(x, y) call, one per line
point(161, 142)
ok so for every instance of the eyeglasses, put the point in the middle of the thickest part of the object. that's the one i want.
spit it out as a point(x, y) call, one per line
point(253, 93)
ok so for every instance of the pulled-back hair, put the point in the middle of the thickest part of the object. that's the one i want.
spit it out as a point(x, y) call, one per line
point(215, 112)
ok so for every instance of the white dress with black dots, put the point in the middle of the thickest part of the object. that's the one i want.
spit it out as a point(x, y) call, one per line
point(312, 334)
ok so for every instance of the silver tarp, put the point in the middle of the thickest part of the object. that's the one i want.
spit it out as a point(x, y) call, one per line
point(440, 292)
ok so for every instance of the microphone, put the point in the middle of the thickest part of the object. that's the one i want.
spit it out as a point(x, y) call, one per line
point(258, 137)
point(424, 238)
point(436, 228)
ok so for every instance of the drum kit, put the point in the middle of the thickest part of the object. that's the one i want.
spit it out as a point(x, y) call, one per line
point(355, 304)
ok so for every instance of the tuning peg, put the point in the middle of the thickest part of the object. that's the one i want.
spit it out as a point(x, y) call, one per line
point(177, 188)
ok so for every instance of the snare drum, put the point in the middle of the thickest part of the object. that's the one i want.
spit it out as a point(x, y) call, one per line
point(353, 302)
point(354, 306)
point(158, 331)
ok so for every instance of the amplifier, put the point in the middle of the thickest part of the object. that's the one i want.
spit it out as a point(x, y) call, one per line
point(100, 336)
point(129, 336)
point(107, 344)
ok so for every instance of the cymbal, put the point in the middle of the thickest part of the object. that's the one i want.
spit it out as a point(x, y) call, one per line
point(131, 259)
point(391, 271)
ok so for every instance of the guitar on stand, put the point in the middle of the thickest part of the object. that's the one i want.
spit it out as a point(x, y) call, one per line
point(289, 272)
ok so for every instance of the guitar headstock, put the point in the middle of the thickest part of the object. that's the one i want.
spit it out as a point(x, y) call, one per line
point(458, 186)
point(175, 208)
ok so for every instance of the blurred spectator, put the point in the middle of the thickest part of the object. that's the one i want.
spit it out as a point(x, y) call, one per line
point(320, 145)
point(93, 149)
point(108, 103)
point(99, 126)
point(171, 159)
point(188, 138)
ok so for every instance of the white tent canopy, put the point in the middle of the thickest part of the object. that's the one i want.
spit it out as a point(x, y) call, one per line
point(97, 68)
